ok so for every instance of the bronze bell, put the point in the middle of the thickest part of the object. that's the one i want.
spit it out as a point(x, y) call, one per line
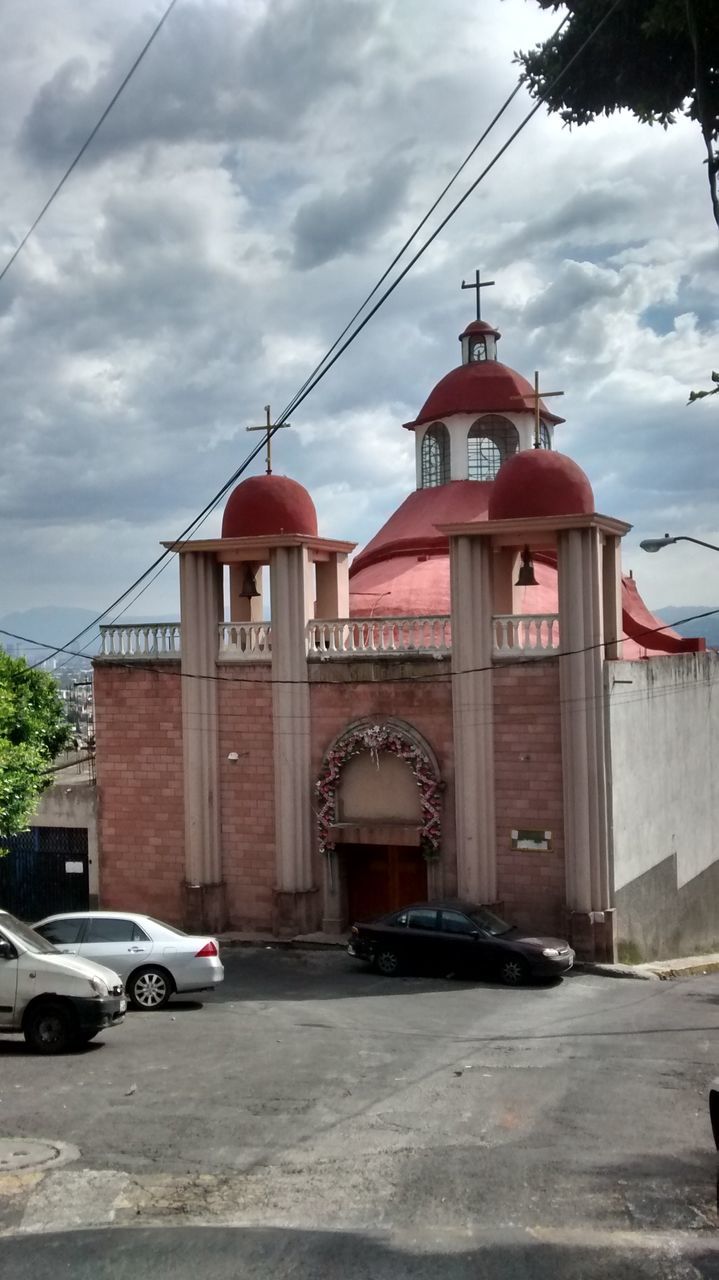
point(525, 577)
point(249, 584)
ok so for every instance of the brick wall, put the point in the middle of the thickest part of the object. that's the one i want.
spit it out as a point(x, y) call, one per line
point(139, 777)
point(425, 704)
point(528, 777)
point(247, 795)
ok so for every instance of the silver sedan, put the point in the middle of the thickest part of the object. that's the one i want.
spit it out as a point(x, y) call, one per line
point(153, 959)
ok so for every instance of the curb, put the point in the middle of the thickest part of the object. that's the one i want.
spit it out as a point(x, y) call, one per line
point(685, 970)
point(613, 971)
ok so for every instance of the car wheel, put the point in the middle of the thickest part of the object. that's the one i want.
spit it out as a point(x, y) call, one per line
point(50, 1028)
point(513, 971)
point(149, 989)
point(387, 961)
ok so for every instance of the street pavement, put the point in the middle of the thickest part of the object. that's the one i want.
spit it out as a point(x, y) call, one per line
point(311, 1118)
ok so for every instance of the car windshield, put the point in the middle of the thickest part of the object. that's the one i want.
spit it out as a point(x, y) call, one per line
point(488, 921)
point(29, 938)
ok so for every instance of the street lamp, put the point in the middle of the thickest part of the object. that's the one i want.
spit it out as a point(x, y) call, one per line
point(656, 544)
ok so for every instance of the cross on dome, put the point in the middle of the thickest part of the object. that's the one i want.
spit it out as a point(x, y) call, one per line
point(478, 284)
point(536, 398)
point(269, 428)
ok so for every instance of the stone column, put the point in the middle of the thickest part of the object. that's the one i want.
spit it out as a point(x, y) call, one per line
point(612, 595)
point(584, 763)
point(333, 586)
point(472, 711)
point(200, 613)
point(296, 898)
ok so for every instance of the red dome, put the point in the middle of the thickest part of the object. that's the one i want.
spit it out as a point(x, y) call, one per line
point(483, 387)
point(480, 326)
point(266, 505)
point(539, 482)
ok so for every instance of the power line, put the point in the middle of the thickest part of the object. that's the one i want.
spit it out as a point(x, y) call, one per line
point(88, 140)
point(310, 385)
point(161, 562)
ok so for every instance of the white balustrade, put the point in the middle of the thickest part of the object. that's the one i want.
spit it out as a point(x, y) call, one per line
point(245, 642)
point(377, 637)
point(140, 640)
point(525, 635)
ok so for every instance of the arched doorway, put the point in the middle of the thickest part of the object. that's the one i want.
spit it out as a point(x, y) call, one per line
point(379, 818)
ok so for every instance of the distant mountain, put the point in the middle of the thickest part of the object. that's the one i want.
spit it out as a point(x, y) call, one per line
point(707, 627)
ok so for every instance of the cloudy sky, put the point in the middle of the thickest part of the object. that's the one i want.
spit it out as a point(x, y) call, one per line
point(250, 186)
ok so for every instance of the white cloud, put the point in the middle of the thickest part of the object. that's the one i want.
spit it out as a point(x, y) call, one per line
point(250, 186)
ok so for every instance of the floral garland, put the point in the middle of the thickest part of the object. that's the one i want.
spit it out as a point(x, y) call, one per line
point(376, 738)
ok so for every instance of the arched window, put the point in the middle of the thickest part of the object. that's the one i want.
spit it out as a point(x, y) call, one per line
point(435, 456)
point(545, 439)
point(490, 441)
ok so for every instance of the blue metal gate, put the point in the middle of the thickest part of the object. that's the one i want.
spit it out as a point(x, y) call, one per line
point(44, 871)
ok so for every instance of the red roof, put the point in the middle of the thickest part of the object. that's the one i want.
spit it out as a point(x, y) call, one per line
point(479, 326)
point(265, 505)
point(411, 530)
point(482, 387)
point(540, 482)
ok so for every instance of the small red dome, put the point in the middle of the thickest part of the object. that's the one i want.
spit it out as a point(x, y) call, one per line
point(266, 505)
point(480, 326)
point(540, 482)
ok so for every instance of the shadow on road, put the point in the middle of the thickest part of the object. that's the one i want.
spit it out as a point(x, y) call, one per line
point(227, 1253)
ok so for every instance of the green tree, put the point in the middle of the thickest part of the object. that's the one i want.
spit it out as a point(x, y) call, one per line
point(655, 57)
point(699, 395)
point(33, 730)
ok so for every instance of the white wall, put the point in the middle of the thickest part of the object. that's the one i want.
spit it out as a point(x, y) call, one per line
point(664, 742)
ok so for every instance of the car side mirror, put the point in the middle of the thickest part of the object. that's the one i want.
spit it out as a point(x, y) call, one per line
point(7, 950)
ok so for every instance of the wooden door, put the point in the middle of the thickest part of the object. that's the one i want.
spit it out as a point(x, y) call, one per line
point(382, 878)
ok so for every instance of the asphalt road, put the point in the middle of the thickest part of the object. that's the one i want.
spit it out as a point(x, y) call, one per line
point(311, 1118)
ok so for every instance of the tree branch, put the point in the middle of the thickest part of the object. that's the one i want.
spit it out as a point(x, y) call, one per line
point(700, 89)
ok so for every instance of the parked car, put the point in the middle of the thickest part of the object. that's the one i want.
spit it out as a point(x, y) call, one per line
point(56, 1001)
point(453, 936)
point(153, 959)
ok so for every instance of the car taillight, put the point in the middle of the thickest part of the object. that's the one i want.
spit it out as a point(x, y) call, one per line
point(209, 949)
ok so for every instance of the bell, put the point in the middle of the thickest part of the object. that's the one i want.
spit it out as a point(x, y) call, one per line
point(525, 577)
point(249, 584)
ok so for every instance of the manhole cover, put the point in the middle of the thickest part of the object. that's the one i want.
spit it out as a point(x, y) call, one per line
point(33, 1153)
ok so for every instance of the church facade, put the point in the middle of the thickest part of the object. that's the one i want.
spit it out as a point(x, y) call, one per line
point(479, 704)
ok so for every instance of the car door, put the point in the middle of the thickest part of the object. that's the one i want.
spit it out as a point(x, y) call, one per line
point(8, 981)
point(421, 939)
point(65, 933)
point(463, 944)
point(117, 942)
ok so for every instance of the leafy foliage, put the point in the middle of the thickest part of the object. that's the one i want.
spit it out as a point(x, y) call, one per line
point(33, 730)
point(657, 58)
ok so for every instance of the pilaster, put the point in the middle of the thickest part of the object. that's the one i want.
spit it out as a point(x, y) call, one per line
point(201, 611)
point(471, 571)
point(295, 894)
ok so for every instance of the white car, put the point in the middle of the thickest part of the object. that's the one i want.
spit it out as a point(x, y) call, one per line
point(153, 959)
point(56, 1001)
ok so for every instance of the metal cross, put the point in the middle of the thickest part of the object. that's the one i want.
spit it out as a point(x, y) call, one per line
point(535, 396)
point(269, 427)
point(478, 284)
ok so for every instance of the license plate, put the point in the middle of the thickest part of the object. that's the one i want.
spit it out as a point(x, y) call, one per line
point(123, 1005)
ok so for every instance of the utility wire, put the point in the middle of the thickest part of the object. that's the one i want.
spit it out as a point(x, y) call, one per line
point(312, 383)
point(88, 140)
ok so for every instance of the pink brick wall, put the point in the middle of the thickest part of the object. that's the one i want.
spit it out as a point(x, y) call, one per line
point(426, 705)
point(139, 776)
point(528, 778)
point(247, 796)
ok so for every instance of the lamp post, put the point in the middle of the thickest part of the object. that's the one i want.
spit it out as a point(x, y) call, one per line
point(656, 544)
